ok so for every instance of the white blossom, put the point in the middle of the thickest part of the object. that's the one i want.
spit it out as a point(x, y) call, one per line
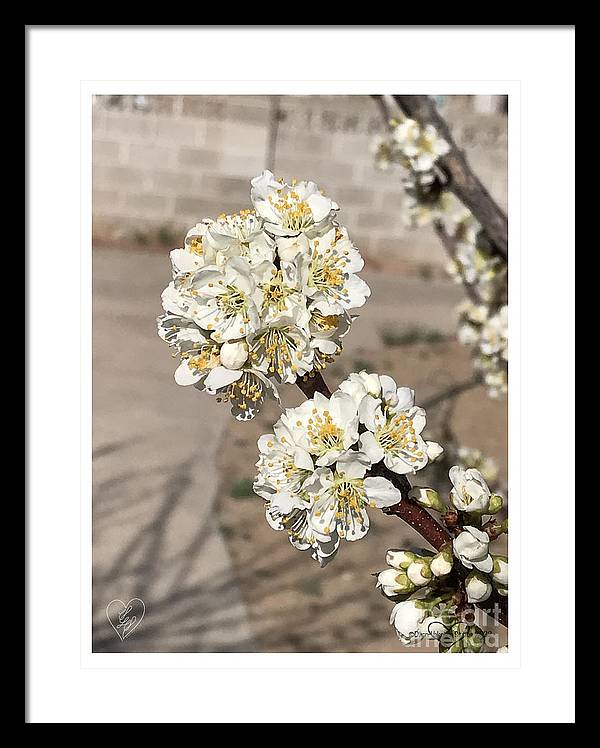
point(406, 617)
point(393, 582)
point(470, 492)
point(324, 427)
point(471, 548)
point(289, 210)
point(342, 495)
point(421, 146)
point(328, 273)
point(399, 559)
point(253, 302)
point(282, 350)
point(477, 587)
point(224, 304)
point(419, 572)
point(193, 255)
point(240, 235)
point(500, 570)
point(394, 424)
point(494, 335)
point(442, 563)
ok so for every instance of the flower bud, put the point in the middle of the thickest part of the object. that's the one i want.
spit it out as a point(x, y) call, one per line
point(478, 587)
point(428, 498)
point(500, 571)
point(496, 503)
point(471, 547)
point(419, 572)
point(394, 582)
point(470, 492)
point(234, 355)
point(399, 559)
point(441, 564)
point(406, 618)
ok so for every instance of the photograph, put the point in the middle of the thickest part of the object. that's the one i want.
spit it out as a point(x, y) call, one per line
point(300, 373)
point(283, 387)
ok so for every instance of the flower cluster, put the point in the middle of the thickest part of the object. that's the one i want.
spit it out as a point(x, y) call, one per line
point(473, 262)
point(416, 150)
point(482, 320)
point(482, 324)
point(486, 333)
point(435, 593)
point(313, 470)
point(262, 297)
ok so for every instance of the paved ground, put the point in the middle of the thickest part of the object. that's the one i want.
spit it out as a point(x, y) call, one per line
point(157, 535)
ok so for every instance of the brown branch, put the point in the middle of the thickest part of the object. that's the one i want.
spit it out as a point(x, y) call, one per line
point(453, 391)
point(407, 509)
point(462, 181)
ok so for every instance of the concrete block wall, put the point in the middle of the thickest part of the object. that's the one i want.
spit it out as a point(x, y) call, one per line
point(161, 163)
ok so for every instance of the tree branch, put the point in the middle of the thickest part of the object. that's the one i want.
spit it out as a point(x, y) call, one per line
point(453, 391)
point(407, 509)
point(462, 181)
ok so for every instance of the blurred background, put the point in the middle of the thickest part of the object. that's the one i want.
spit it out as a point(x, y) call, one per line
point(175, 520)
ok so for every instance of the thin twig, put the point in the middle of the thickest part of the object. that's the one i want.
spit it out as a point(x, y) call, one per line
point(462, 181)
point(453, 391)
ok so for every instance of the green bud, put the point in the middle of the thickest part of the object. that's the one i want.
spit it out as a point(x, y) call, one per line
point(404, 584)
point(496, 503)
point(441, 564)
point(477, 587)
point(428, 498)
point(399, 559)
point(419, 572)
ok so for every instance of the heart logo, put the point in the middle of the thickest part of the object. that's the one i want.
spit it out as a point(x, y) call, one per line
point(125, 617)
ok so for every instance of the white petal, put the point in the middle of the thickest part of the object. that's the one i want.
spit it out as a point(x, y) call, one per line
point(398, 465)
point(320, 206)
point(434, 450)
point(353, 464)
point(185, 376)
point(264, 441)
point(358, 527)
point(302, 459)
point(371, 448)
point(370, 412)
point(486, 565)
point(381, 492)
point(406, 398)
point(221, 377)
